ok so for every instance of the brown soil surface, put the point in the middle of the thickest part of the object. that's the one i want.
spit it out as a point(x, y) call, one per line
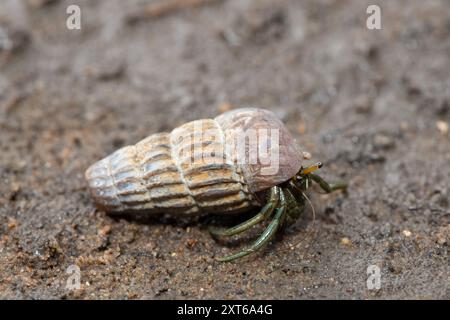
point(371, 104)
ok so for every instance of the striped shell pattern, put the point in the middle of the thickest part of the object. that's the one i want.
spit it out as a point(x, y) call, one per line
point(158, 175)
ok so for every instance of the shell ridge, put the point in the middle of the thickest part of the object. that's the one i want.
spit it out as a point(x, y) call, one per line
point(131, 188)
point(180, 171)
point(137, 160)
point(113, 181)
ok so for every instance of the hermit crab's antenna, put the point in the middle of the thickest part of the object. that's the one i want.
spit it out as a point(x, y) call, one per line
point(311, 228)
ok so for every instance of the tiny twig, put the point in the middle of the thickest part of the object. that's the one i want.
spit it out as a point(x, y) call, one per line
point(13, 101)
point(161, 9)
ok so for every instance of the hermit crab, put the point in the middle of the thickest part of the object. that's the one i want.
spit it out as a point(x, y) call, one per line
point(240, 160)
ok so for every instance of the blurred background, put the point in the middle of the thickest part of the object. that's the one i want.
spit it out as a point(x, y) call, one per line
point(373, 105)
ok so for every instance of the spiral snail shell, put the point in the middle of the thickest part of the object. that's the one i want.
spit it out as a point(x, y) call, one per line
point(219, 165)
point(212, 165)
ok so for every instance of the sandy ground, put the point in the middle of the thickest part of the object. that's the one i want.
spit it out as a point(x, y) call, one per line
point(371, 104)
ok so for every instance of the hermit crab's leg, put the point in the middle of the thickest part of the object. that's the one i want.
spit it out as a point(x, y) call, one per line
point(295, 189)
point(266, 236)
point(328, 187)
point(265, 212)
point(298, 198)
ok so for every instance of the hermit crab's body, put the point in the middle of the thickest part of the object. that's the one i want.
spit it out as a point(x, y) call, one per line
point(221, 165)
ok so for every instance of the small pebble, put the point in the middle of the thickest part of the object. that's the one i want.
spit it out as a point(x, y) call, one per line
point(108, 69)
point(12, 223)
point(383, 141)
point(190, 243)
point(15, 189)
point(442, 126)
point(358, 180)
point(363, 104)
point(346, 241)
point(404, 126)
point(301, 128)
point(443, 235)
point(224, 107)
point(104, 231)
point(306, 155)
point(407, 233)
